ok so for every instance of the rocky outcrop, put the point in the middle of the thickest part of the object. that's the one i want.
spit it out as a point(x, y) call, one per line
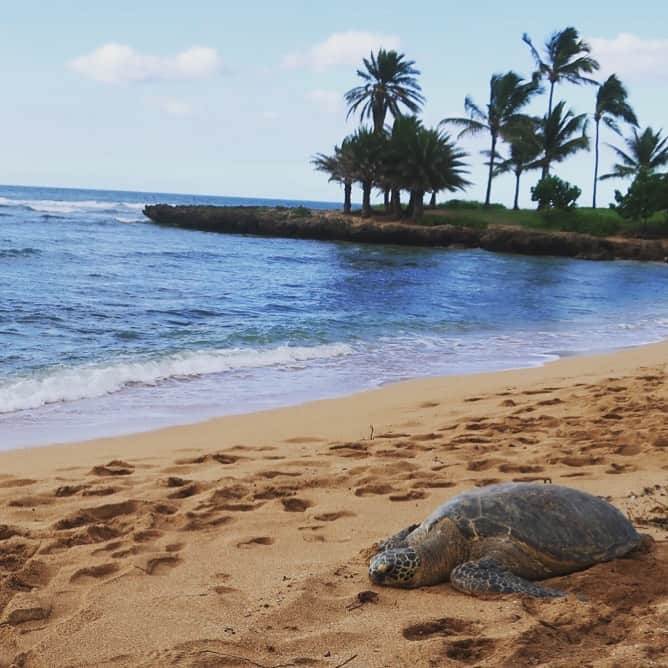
point(330, 226)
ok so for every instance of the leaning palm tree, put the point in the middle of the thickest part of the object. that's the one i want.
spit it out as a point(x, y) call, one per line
point(389, 83)
point(508, 94)
point(646, 152)
point(611, 106)
point(525, 148)
point(561, 134)
point(566, 58)
point(339, 166)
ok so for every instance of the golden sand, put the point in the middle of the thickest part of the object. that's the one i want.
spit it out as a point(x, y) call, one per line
point(241, 541)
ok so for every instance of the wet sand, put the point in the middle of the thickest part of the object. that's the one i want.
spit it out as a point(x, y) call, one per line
point(243, 541)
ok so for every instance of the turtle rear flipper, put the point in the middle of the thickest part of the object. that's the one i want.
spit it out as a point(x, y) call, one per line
point(489, 576)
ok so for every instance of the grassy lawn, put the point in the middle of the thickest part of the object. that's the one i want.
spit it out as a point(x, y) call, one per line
point(599, 222)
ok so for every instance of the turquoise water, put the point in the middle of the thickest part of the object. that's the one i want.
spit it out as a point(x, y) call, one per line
point(109, 324)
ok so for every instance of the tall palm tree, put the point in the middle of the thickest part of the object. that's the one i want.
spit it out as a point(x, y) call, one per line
point(508, 94)
point(339, 166)
point(556, 136)
point(566, 59)
point(366, 154)
point(646, 152)
point(525, 147)
point(389, 83)
point(611, 105)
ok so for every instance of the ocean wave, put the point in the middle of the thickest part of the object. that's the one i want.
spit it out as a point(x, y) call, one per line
point(127, 219)
point(69, 207)
point(88, 382)
point(18, 252)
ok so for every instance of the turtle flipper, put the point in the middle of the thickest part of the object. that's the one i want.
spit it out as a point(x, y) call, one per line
point(489, 576)
point(398, 540)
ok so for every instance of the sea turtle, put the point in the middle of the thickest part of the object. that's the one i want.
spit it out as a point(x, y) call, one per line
point(497, 538)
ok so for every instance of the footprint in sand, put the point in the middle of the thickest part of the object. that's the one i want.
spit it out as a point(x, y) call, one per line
point(252, 542)
point(412, 495)
point(332, 517)
point(157, 564)
point(470, 650)
point(446, 626)
point(374, 490)
point(113, 468)
point(94, 572)
point(294, 505)
point(16, 482)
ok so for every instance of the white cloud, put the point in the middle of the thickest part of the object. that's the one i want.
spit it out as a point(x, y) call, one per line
point(269, 115)
point(632, 56)
point(341, 48)
point(328, 101)
point(119, 63)
point(171, 106)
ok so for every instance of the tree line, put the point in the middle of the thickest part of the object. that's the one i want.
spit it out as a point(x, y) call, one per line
point(404, 156)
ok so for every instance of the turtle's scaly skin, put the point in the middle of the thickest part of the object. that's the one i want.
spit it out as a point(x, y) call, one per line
point(496, 538)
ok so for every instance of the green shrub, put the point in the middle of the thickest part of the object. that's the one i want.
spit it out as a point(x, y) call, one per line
point(553, 192)
point(300, 212)
point(456, 204)
point(647, 195)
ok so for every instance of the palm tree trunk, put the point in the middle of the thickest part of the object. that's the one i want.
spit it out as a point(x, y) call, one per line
point(418, 205)
point(488, 194)
point(396, 202)
point(549, 105)
point(516, 205)
point(432, 199)
point(386, 199)
point(546, 171)
point(366, 199)
point(347, 192)
point(598, 123)
point(411, 205)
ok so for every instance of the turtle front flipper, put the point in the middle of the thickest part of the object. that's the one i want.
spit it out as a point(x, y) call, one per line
point(398, 540)
point(489, 576)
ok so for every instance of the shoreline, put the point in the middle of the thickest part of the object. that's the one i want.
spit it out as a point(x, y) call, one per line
point(248, 536)
point(187, 422)
point(334, 226)
point(586, 364)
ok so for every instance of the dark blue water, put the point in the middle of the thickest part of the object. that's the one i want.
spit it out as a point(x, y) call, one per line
point(109, 324)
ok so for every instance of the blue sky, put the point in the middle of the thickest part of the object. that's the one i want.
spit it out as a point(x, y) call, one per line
point(234, 98)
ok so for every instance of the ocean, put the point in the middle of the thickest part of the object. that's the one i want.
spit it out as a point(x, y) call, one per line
point(110, 324)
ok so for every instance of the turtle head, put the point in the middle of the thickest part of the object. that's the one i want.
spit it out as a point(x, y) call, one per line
point(396, 567)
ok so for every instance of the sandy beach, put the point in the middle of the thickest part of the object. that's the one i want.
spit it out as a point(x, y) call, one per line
point(243, 541)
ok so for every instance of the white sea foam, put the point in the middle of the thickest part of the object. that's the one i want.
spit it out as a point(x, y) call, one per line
point(90, 381)
point(65, 206)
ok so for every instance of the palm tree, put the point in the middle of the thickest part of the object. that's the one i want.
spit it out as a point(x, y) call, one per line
point(611, 105)
point(566, 59)
point(525, 147)
point(389, 83)
point(366, 154)
point(508, 93)
point(556, 136)
point(340, 168)
point(425, 160)
point(646, 152)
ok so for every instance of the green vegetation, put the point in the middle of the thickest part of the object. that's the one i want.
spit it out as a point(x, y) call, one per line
point(398, 154)
point(551, 192)
point(597, 222)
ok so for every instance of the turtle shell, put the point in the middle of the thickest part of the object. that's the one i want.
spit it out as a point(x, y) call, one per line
point(564, 524)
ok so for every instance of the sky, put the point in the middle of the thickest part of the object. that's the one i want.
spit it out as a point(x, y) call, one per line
point(234, 98)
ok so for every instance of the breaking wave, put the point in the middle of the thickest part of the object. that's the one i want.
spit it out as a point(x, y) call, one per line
point(90, 381)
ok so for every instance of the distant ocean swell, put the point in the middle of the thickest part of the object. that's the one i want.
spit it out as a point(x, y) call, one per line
point(96, 380)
